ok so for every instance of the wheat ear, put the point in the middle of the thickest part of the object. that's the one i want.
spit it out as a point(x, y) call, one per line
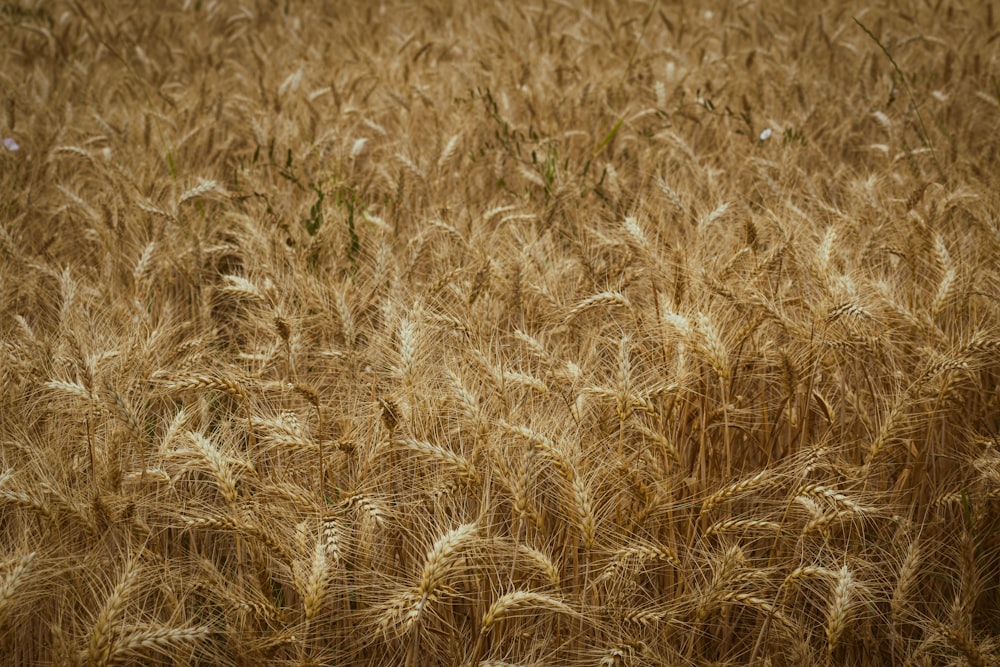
point(102, 636)
point(507, 604)
point(15, 577)
point(838, 611)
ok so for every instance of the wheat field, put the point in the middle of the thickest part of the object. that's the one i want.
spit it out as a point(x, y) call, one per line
point(507, 333)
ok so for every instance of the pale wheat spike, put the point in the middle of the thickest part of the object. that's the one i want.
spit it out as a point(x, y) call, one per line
point(315, 584)
point(824, 253)
point(468, 401)
point(542, 562)
point(616, 655)
point(240, 286)
point(713, 215)
point(331, 539)
point(638, 554)
point(173, 430)
point(290, 492)
point(847, 310)
point(406, 609)
point(410, 165)
point(347, 324)
point(72, 388)
point(406, 369)
point(536, 347)
point(218, 464)
point(534, 438)
point(440, 491)
point(441, 456)
point(285, 422)
point(821, 523)
point(742, 525)
point(209, 578)
point(495, 211)
point(600, 300)
point(969, 588)
point(839, 608)
point(548, 450)
point(139, 644)
point(81, 204)
point(148, 207)
point(527, 381)
point(441, 557)
point(204, 187)
point(821, 491)
point(679, 323)
point(448, 229)
point(965, 644)
point(762, 480)
point(507, 604)
point(809, 571)
point(943, 292)
point(242, 527)
point(71, 150)
point(763, 605)
point(519, 489)
point(672, 194)
point(451, 322)
point(291, 83)
point(102, 635)
point(122, 409)
point(27, 501)
point(445, 280)
point(624, 397)
point(603, 392)
point(909, 571)
point(584, 511)
point(715, 349)
point(636, 235)
point(645, 617)
point(13, 580)
point(292, 442)
point(59, 498)
point(201, 381)
point(724, 568)
point(368, 507)
point(449, 150)
point(144, 263)
point(531, 175)
point(891, 421)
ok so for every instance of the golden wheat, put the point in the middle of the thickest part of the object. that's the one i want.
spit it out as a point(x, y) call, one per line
point(545, 333)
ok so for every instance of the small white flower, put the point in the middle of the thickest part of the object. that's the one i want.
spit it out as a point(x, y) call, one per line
point(766, 134)
point(11, 145)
